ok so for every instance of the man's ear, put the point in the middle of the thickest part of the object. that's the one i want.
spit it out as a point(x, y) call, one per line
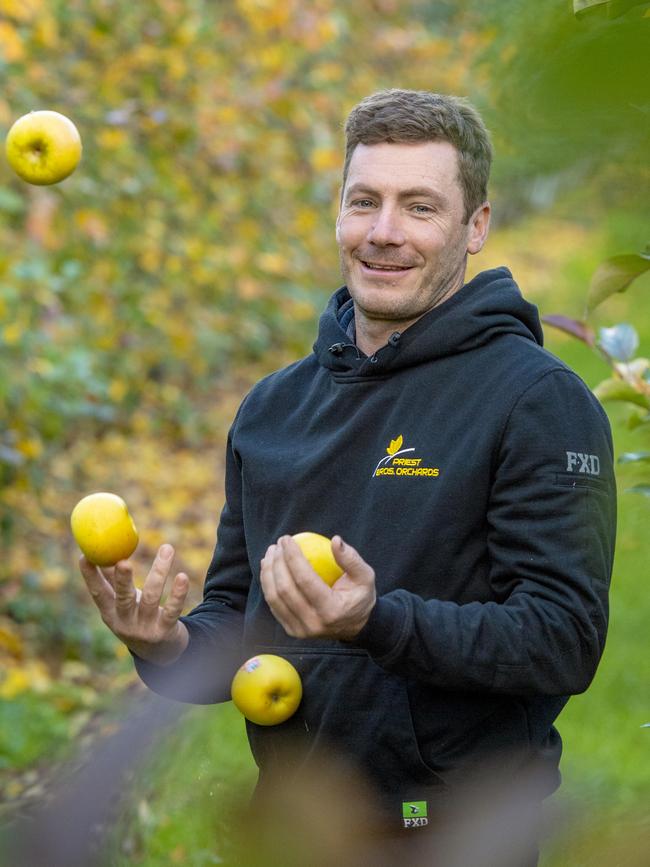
point(338, 216)
point(479, 226)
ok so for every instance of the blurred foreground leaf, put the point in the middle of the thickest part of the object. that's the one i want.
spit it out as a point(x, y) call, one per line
point(574, 327)
point(615, 275)
point(620, 341)
point(634, 457)
point(617, 389)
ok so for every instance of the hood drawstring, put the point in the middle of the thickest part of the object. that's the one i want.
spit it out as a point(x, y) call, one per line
point(337, 348)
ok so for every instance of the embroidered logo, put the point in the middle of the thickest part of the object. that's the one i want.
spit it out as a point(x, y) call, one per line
point(576, 461)
point(402, 462)
point(414, 814)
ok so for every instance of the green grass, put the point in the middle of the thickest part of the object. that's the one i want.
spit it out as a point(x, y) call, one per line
point(182, 803)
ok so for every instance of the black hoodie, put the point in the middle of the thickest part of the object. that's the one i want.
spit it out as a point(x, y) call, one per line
point(473, 471)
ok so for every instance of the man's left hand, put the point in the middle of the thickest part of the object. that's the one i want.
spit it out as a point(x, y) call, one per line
point(304, 604)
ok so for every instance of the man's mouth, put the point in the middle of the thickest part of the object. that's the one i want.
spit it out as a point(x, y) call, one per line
point(380, 266)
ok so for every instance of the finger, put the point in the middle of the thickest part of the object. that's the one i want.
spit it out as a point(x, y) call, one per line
point(302, 592)
point(125, 594)
point(278, 607)
point(308, 584)
point(101, 591)
point(173, 607)
point(152, 589)
point(352, 562)
point(109, 574)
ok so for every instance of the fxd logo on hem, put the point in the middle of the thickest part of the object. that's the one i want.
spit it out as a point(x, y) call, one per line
point(414, 814)
point(401, 462)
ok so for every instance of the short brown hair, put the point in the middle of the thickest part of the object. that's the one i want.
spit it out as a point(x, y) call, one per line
point(402, 116)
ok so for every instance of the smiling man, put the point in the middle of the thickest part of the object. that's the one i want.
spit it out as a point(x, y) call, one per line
point(432, 432)
point(402, 233)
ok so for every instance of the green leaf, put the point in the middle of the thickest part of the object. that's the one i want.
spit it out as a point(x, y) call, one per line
point(616, 389)
point(615, 8)
point(644, 490)
point(615, 275)
point(11, 202)
point(634, 457)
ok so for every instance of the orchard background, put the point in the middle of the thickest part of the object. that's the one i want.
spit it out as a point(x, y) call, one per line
point(191, 253)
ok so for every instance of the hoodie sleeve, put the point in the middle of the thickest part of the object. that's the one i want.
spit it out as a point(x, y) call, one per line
point(550, 544)
point(203, 673)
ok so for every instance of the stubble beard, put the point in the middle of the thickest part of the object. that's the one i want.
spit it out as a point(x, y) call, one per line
point(412, 306)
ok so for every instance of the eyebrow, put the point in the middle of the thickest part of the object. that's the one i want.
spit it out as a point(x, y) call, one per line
point(412, 192)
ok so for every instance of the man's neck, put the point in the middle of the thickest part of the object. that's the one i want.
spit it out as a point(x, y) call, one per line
point(372, 334)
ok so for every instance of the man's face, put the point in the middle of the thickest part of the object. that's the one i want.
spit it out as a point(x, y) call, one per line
point(402, 208)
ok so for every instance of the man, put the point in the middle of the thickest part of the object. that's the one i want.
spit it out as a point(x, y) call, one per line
point(468, 471)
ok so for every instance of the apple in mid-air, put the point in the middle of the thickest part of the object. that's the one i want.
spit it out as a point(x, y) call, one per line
point(267, 689)
point(104, 529)
point(317, 550)
point(43, 147)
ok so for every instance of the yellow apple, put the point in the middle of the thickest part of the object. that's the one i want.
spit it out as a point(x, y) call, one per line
point(267, 689)
point(104, 529)
point(43, 147)
point(318, 551)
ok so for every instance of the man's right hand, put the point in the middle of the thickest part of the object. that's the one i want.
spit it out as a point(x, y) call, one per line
point(151, 631)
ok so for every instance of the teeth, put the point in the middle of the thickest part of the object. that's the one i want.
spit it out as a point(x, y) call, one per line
point(384, 267)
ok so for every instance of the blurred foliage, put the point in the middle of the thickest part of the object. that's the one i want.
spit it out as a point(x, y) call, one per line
point(629, 382)
point(567, 101)
point(196, 234)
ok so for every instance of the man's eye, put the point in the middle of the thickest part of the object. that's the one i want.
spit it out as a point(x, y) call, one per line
point(423, 209)
point(362, 203)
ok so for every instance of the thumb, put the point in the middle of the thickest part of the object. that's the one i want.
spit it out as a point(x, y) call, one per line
point(351, 561)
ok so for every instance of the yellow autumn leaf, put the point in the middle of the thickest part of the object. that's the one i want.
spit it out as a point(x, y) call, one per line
point(12, 333)
point(31, 447)
point(117, 390)
point(11, 642)
point(325, 159)
point(21, 10)
point(273, 263)
point(11, 46)
point(395, 445)
point(16, 681)
point(53, 578)
point(21, 678)
point(46, 32)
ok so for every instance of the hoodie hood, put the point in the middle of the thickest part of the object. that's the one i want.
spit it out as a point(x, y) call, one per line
point(489, 305)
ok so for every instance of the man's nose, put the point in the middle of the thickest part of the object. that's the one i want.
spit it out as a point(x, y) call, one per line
point(386, 228)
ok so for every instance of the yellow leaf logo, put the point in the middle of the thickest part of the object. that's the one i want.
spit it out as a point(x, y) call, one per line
point(395, 445)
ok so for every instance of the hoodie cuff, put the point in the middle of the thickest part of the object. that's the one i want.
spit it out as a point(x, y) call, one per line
point(193, 677)
point(387, 629)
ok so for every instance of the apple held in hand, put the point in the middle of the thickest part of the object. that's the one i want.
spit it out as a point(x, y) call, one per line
point(104, 529)
point(317, 550)
point(267, 689)
point(43, 147)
